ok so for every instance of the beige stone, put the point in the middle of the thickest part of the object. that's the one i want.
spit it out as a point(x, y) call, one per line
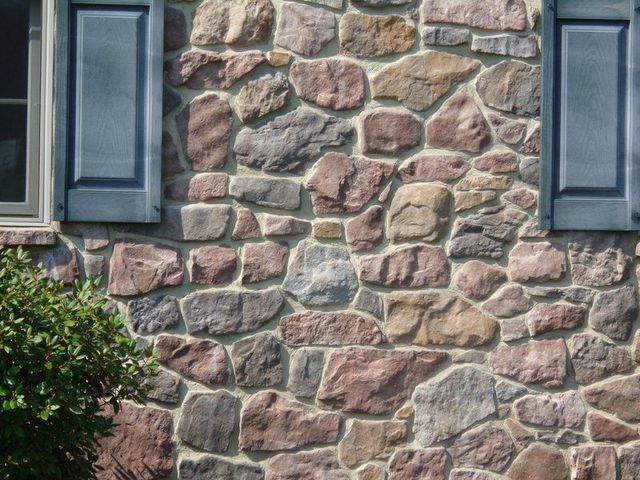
point(367, 440)
point(418, 212)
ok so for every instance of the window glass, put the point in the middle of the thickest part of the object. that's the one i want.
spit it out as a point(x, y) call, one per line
point(13, 153)
point(14, 33)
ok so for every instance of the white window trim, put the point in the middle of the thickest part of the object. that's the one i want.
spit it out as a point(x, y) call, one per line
point(46, 126)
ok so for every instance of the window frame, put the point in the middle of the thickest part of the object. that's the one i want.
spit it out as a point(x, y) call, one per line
point(36, 210)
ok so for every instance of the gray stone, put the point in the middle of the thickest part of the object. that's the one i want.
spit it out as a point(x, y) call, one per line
point(303, 29)
point(93, 265)
point(257, 361)
point(593, 358)
point(487, 447)
point(484, 234)
point(94, 235)
point(59, 263)
point(312, 465)
point(600, 259)
point(470, 356)
point(507, 391)
point(186, 223)
point(369, 301)
point(164, 387)
point(285, 143)
point(513, 329)
point(512, 45)
point(445, 36)
point(208, 420)
point(267, 192)
point(221, 312)
point(262, 96)
point(551, 410)
point(276, 225)
point(572, 294)
point(630, 462)
point(511, 86)
point(448, 406)
point(614, 312)
point(381, 3)
point(209, 467)
point(148, 315)
point(321, 275)
point(305, 372)
point(170, 100)
point(563, 437)
point(530, 170)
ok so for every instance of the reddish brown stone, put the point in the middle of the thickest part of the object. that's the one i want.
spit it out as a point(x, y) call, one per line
point(620, 397)
point(604, 429)
point(430, 167)
point(246, 226)
point(539, 462)
point(543, 362)
point(458, 125)
point(262, 261)
point(419, 211)
point(485, 447)
point(277, 225)
point(389, 131)
point(212, 265)
point(365, 231)
point(522, 197)
point(537, 262)
point(364, 35)
point(205, 127)
point(313, 465)
point(508, 130)
point(200, 360)
point(270, 422)
point(139, 446)
point(175, 29)
point(170, 159)
point(374, 381)
point(207, 69)
point(339, 183)
point(478, 280)
point(508, 302)
point(412, 464)
point(366, 440)
point(408, 267)
point(59, 263)
point(328, 328)
point(593, 463)
point(137, 268)
point(200, 187)
point(304, 29)
point(330, 83)
point(545, 318)
point(497, 161)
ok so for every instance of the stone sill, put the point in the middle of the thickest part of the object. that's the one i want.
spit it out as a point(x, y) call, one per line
point(27, 236)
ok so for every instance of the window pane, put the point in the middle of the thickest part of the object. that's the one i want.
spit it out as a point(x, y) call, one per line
point(13, 153)
point(14, 32)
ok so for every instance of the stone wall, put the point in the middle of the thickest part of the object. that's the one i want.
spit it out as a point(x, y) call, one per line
point(349, 281)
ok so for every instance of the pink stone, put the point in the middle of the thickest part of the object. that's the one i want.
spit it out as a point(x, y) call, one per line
point(365, 231)
point(304, 29)
point(246, 226)
point(497, 161)
point(620, 397)
point(277, 225)
point(508, 302)
point(545, 318)
point(425, 167)
point(200, 360)
point(604, 429)
point(311, 465)
point(488, 14)
point(59, 263)
point(543, 362)
point(508, 130)
point(200, 187)
point(522, 197)
point(537, 262)
point(478, 280)
point(137, 268)
point(555, 410)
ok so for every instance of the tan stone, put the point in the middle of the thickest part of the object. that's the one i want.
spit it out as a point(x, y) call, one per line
point(329, 230)
point(458, 125)
point(468, 200)
point(419, 80)
point(539, 462)
point(418, 212)
point(374, 381)
point(366, 440)
point(270, 422)
point(278, 59)
point(364, 35)
point(485, 182)
point(436, 318)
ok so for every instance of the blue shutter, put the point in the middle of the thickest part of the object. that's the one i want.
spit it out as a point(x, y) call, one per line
point(590, 115)
point(108, 95)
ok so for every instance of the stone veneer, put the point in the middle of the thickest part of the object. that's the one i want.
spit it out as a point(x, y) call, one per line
point(348, 281)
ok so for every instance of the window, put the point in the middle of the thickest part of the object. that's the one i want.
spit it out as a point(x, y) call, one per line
point(590, 165)
point(21, 162)
point(94, 112)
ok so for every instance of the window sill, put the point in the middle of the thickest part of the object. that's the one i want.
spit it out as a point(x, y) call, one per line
point(14, 236)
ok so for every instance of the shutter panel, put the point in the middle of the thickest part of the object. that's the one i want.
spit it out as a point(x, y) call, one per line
point(108, 110)
point(589, 175)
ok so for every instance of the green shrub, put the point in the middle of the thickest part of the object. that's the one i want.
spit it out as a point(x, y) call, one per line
point(63, 358)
